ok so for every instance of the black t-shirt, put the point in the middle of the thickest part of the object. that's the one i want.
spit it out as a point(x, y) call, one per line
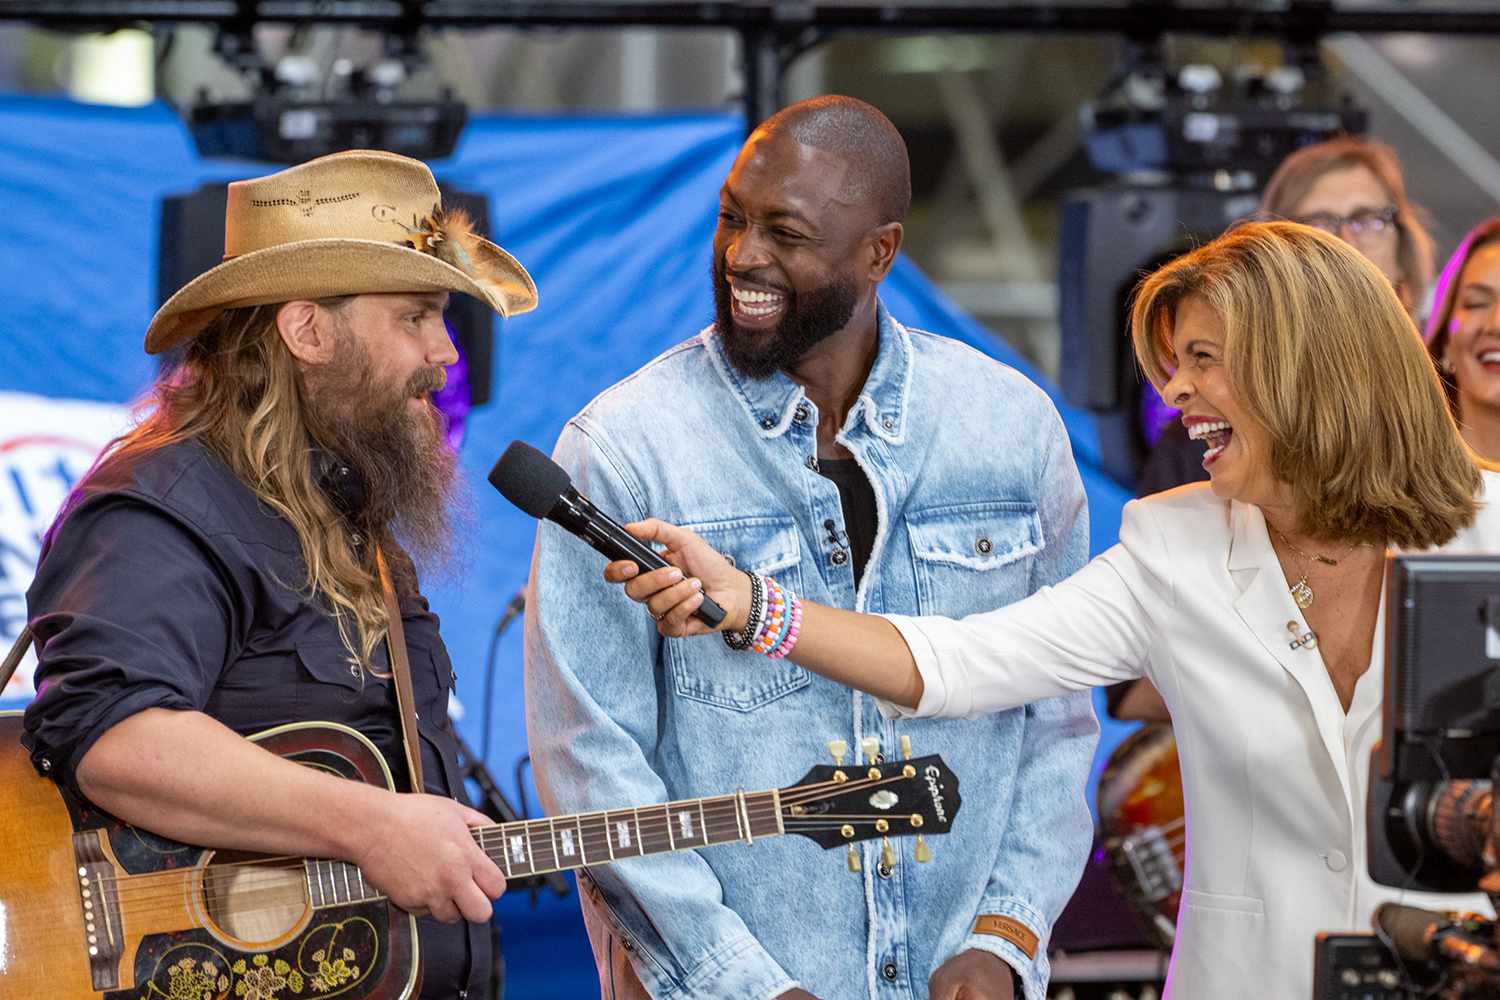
point(168, 584)
point(857, 498)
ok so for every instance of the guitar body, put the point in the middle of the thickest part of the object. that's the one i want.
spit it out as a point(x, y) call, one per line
point(93, 907)
point(1141, 812)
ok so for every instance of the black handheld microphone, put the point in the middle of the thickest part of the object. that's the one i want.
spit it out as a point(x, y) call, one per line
point(540, 487)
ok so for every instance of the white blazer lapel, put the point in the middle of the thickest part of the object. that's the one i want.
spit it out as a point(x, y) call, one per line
point(1267, 609)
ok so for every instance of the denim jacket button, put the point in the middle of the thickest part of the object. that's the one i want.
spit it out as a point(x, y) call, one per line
point(885, 870)
point(839, 557)
point(984, 546)
point(889, 423)
point(889, 971)
point(812, 462)
point(801, 413)
point(768, 422)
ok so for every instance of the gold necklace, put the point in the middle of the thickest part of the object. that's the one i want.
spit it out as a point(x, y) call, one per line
point(1302, 591)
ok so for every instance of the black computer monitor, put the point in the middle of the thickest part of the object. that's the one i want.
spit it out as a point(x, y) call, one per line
point(1441, 713)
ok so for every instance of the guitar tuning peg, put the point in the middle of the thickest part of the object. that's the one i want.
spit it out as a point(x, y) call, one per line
point(838, 748)
point(887, 855)
point(922, 852)
point(905, 747)
point(853, 859)
point(871, 746)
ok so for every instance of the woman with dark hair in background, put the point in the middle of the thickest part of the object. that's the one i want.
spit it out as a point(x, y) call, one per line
point(1463, 335)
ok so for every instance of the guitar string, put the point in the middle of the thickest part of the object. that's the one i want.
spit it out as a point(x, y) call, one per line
point(248, 900)
point(244, 897)
point(489, 839)
point(794, 796)
point(482, 835)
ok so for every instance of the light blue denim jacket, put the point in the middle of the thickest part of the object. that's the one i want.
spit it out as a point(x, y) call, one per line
point(979, 504)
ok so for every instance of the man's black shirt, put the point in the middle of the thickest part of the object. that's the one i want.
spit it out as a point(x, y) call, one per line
point(857, 499)
point(168, 584)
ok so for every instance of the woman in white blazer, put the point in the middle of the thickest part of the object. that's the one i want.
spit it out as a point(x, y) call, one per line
point(1253, 602)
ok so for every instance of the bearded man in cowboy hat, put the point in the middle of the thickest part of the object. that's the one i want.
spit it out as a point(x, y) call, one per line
point(227, 565)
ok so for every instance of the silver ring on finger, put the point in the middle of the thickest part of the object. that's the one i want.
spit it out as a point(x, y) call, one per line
point(658, 617)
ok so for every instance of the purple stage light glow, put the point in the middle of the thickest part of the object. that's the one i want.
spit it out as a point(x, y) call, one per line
point(453, 399)
point(1155, 415)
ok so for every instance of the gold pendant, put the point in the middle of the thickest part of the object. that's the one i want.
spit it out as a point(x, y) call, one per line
point(1302, 594)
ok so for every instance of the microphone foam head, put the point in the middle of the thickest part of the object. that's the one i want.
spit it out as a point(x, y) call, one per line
point(529, 479)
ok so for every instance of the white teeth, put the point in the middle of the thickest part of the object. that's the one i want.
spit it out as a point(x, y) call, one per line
point(758, 303)
point(1202, 430)
point(1213, 452)
point(1489, 357)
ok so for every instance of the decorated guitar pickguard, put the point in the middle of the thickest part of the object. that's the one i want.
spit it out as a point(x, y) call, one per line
point(339, 954)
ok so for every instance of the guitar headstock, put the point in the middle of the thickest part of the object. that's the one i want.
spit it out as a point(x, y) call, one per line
point(835, 805)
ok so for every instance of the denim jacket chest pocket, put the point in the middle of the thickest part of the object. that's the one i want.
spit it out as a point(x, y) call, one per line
point(973, 557)
point(705, 670)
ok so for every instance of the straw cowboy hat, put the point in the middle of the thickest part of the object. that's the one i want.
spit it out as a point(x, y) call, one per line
point(343, 224)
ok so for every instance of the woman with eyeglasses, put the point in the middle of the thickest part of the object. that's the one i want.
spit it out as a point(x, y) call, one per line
point(1353, 188)
point(1463, 335)
point(1253, 602)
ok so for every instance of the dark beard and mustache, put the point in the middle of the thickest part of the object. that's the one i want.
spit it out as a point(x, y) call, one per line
point(811, 318)
point(405, 470)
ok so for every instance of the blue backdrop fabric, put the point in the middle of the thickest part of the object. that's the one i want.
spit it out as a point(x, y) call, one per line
point(613, 216)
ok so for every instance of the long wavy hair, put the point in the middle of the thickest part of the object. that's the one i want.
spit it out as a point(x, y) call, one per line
point(238, 391)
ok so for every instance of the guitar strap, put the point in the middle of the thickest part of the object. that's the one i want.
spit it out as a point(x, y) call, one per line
point(395, 642)
point(13, 658)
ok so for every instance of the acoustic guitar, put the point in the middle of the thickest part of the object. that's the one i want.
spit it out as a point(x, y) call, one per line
point(93, 907)
point(1141, 816)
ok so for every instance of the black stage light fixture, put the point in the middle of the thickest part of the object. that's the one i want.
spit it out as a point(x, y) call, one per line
point(1189, 157)
point(281, 129)
point(192, 241)
point(1110, 237)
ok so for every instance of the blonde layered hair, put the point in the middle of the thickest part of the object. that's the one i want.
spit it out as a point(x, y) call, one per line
point(237, 389)
point(1321, 353)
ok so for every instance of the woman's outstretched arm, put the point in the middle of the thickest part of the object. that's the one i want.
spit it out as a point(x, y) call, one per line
point(1092, 629)
point(860, 651)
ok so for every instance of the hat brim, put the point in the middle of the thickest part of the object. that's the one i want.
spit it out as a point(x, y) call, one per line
point(323, 268)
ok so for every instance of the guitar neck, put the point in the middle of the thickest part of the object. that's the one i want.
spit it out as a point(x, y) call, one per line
point(562, 843)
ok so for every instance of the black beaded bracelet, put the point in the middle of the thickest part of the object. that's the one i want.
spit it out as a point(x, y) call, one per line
point(740, 641)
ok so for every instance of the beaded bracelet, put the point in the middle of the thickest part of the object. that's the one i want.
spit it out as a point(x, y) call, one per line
point(778, 618)
point(784, 647)
point(741, 640)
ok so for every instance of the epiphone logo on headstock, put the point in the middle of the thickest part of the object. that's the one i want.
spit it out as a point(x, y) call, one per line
point(936, 791)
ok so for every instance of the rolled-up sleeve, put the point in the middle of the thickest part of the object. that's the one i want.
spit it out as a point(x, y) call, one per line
point(130, 611)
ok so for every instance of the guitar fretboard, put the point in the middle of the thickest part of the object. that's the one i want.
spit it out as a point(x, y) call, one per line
point(560, 843)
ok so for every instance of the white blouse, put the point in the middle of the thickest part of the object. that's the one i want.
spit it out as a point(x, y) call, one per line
point(1274, 772)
